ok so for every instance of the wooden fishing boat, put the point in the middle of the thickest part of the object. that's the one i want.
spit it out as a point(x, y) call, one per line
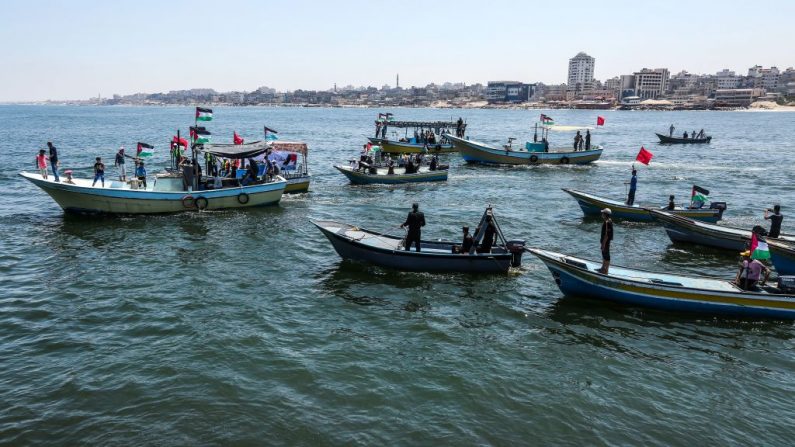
point(684, 230)
point(592, 205)
point(296, 172)
point(166, 194)
point(678, 140)
point(357, 244)
point(414, 142)
point(532, 154)
point(380, 175)
point(579, 277)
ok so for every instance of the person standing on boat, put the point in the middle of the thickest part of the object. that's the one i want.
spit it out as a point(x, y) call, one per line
point(587, 140)
point(693, 135)
point(377, 128)
point(775, 221)
point(99, 172)
point(41, 163)
point(54, 160)
point(633, 186)
point(414, 221)
point(684, 136)
point(671, 130)
point(606, 237)
point(383, 131)
point(140, 172)
point(671, 203)
point(434, 162)
point(119, 163)
point(488, 235)
point(577, 139)
point(467, 243)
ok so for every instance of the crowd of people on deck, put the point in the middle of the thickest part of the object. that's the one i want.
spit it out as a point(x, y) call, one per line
point(369, 161)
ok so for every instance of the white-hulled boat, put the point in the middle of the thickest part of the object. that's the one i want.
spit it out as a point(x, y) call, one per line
point(166, 194)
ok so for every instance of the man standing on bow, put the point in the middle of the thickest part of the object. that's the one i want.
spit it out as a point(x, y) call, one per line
point(633, 186)
point(54, 160)
point(414, 221)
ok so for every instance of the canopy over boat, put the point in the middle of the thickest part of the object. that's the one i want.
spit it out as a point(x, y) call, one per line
point(419, 124)
point(384, 250)
point(561, 128)
point(580, 277)
point(237, 151)
point(290, 146)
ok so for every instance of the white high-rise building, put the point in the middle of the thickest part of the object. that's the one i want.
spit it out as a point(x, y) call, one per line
point(581, 69)
point(726, 79)
point(651, 84)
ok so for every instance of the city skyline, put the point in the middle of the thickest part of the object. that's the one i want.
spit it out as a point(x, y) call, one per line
point(77, 50)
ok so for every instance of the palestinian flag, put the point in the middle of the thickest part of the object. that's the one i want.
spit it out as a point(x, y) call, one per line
point(699, 194)
point(203, 114)
point(200, 135)
point(547, 120)
point(144, 150)
point(759, 248)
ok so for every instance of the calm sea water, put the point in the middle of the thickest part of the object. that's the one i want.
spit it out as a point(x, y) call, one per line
point(246, 328)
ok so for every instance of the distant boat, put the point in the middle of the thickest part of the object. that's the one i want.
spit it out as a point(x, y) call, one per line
point(380, 175)
point(475, 152)
point(678, 140)
point(358, 244)
point(592, 205)
point(579, 277)
point(414, 142)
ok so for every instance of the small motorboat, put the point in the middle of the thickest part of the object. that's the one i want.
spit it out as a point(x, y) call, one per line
point(592, 205)
point(664, 139)
point(367, 175)
point(579, 277)
point(383, 250)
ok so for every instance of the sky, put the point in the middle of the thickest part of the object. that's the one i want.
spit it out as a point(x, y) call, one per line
point(53, 49)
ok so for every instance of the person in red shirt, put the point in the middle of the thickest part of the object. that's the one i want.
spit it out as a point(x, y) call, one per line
point(41, 163)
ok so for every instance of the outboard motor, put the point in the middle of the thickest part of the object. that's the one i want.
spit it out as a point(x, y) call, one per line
point(516, 248)
point(720, 206)
point(786, 284)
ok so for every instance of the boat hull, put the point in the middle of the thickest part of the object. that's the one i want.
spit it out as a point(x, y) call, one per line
point(593, 205)
point(399, 147)
point(783, 258)
point(673, 140)
point(297, 185)
point(474, 152)
point(413, 261)
point(363, 178)
point(575, 280)
point(89, 200)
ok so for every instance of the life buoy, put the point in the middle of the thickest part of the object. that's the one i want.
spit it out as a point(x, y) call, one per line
point(564, 160)
point(534, 159)
point(188, 201)
point(201, 203)
point(242, 198)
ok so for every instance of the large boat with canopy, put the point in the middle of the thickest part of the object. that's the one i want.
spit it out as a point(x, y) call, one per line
point(425, 136)
point(183, 188)
point(533, 152)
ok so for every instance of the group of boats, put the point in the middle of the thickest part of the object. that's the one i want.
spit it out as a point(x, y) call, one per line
point(429, 139)
point(269, 168)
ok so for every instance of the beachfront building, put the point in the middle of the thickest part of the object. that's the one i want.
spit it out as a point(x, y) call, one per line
point(626, 86)
point(737, 97)
point(581, 68)
point(651, 84)
point(726, 79)
point(508, 91)
point(766, 78)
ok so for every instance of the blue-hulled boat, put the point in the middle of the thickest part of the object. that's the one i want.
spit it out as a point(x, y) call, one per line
point(579, 277)
point(592, 205)
point(380, 175)
point(532, 154)
point(683, 230)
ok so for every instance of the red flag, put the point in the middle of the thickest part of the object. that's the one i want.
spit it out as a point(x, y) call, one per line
point(180, 141)
point(600, 121)
point(644, 156)
point(237, 138)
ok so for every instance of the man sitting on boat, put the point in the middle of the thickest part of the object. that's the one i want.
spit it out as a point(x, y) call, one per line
point(750, 272)
point(251, 173)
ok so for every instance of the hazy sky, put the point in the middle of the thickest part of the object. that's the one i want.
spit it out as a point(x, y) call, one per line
point(77, 49)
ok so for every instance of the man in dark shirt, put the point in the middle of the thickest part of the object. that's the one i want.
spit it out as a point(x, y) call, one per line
point(468, 242)
point(671, 204)
point(54, 160)
point(775, 221)
point(607, 236)
point(415, 221)
point(633, 186)
point(488, 235)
